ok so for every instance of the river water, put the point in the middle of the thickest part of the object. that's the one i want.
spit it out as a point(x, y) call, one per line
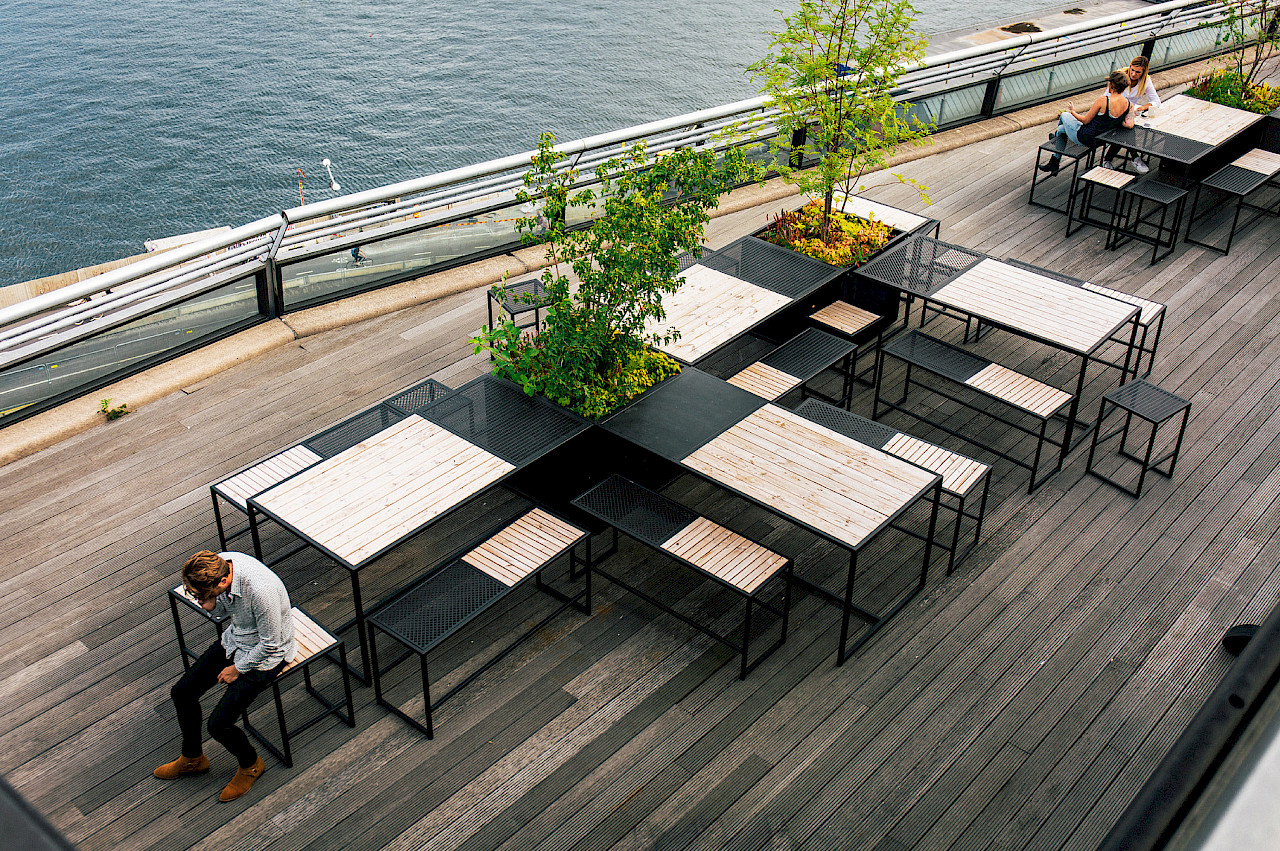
point(138, 119)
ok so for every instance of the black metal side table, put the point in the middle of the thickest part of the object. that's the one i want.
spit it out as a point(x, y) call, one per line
point(520, 297)
point(1148, 402)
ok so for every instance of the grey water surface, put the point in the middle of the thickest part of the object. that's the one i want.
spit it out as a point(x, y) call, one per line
point(128, 120)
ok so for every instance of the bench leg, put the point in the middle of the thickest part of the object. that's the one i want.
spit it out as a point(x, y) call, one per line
point(847, 608)
point(183, 652)
point(746, 639)
point(429, 729)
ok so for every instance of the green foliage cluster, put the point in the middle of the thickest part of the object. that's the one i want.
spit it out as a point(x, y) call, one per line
point(831, 72)
point(1253, 28)
point(850, 242)
point(592, 354)
point(113, 413)
point(1230, 88)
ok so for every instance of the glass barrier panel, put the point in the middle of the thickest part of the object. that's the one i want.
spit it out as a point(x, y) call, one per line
point(1188, 46)
point(951, 107)
point(92, 362)
point(1077, 75)
point(362, 267)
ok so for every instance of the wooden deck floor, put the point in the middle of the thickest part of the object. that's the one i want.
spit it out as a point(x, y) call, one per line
point(1019, 703)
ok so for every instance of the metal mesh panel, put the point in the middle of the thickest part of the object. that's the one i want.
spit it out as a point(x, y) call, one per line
point(939, 357)
point(515, 302)
point(1234, 180)
point(1160, 144)
point(771, 266)
point(349, 432)
point(409, 401)
point(1154, 190)
point(808, 353)
point(921, 265)
point(861, 429)
point(1148, 401)
point(635, 510)
point(430, 610)
point(500, 418)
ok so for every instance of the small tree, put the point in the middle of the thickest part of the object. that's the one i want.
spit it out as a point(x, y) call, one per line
point(592, 352)
point(832, 71)
point(1251, 26)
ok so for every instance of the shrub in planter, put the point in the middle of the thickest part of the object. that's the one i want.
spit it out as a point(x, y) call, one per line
point(850, 242)
point(1232, 88)
point(592, 353)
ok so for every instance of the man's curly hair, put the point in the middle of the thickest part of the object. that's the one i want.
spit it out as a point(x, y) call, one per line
point(203, 572)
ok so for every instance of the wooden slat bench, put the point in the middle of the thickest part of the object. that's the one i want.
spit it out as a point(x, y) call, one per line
point(1024, 394)
point(461, 587)
point(1238, 179)
point(253, 480)
point(720, 554)
point(962, 477)
point(797, 362)
point(1151, 316)
point(313, 641)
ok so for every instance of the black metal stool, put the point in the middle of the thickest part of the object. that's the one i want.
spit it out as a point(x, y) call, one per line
point(520, 297)
point(1148, 402)
point(1073, 152)
point(1162, 197)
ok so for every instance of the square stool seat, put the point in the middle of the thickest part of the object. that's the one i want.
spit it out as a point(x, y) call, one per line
point(1148, 402)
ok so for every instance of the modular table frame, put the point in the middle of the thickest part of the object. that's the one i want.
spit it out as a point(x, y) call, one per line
point(431, 609)
point(831, 485)
point(729, 559)
point(411, 475)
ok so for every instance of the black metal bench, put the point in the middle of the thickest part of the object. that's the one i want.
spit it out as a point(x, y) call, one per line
point(1238, 180)
point(313, 642)
point(1024, 394)
point(464, 585)
point(962, 477)
point(797, 362)
point(723, 555)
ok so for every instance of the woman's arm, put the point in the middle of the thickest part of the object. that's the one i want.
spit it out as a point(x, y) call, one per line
point(1153, 99)
point(1085, 118)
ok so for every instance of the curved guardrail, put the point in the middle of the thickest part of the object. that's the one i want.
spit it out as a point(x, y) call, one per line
point(83, 336)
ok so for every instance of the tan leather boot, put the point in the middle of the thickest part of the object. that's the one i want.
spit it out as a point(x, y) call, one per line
point(242, 781)
point(182, 765)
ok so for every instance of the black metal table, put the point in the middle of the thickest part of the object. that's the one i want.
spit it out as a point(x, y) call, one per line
point(834, 486)
point(729, 292)
point(968, 283)
point(383, 490)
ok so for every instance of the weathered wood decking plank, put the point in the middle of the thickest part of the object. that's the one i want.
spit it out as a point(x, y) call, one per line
point(1021, 701)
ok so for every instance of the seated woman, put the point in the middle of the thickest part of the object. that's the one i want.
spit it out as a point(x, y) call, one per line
point(1108, 112)
point(1142, 94)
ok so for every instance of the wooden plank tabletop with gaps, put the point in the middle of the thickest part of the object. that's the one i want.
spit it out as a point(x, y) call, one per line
point(865, 208)
point(363, 500)
point(1199, 120)
point(1058, 313)
point(764, 381)
point(711, 308)
point(829, 482)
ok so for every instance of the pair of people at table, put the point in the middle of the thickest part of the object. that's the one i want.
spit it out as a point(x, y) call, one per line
point(1128, 93)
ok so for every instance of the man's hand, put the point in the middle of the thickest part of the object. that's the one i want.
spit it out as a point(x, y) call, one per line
point(228, 674)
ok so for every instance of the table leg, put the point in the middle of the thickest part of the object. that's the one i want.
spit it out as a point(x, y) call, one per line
point(847, 608)
point(1074, 412)
point(361, 627)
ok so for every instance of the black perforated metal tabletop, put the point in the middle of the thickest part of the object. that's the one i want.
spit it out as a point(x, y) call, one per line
point(773, 267)
point(920, 265)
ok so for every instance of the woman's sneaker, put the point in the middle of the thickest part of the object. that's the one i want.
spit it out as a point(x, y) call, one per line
point(1139, 165)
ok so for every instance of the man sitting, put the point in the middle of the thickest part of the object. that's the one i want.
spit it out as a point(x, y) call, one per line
point(256, 643)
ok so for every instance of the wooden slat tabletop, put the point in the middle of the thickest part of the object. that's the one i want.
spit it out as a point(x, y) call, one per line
point(365, 499)
point(1199, 120)
point(827, 481)
point(711, 308)
point(1051, 310)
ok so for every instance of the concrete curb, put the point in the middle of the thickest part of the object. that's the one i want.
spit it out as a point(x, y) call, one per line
point(48, 428)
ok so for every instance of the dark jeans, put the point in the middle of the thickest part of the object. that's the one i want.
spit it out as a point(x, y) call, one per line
point(202, 676)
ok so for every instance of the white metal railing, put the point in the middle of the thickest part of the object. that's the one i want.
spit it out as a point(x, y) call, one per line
point(48, 323)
